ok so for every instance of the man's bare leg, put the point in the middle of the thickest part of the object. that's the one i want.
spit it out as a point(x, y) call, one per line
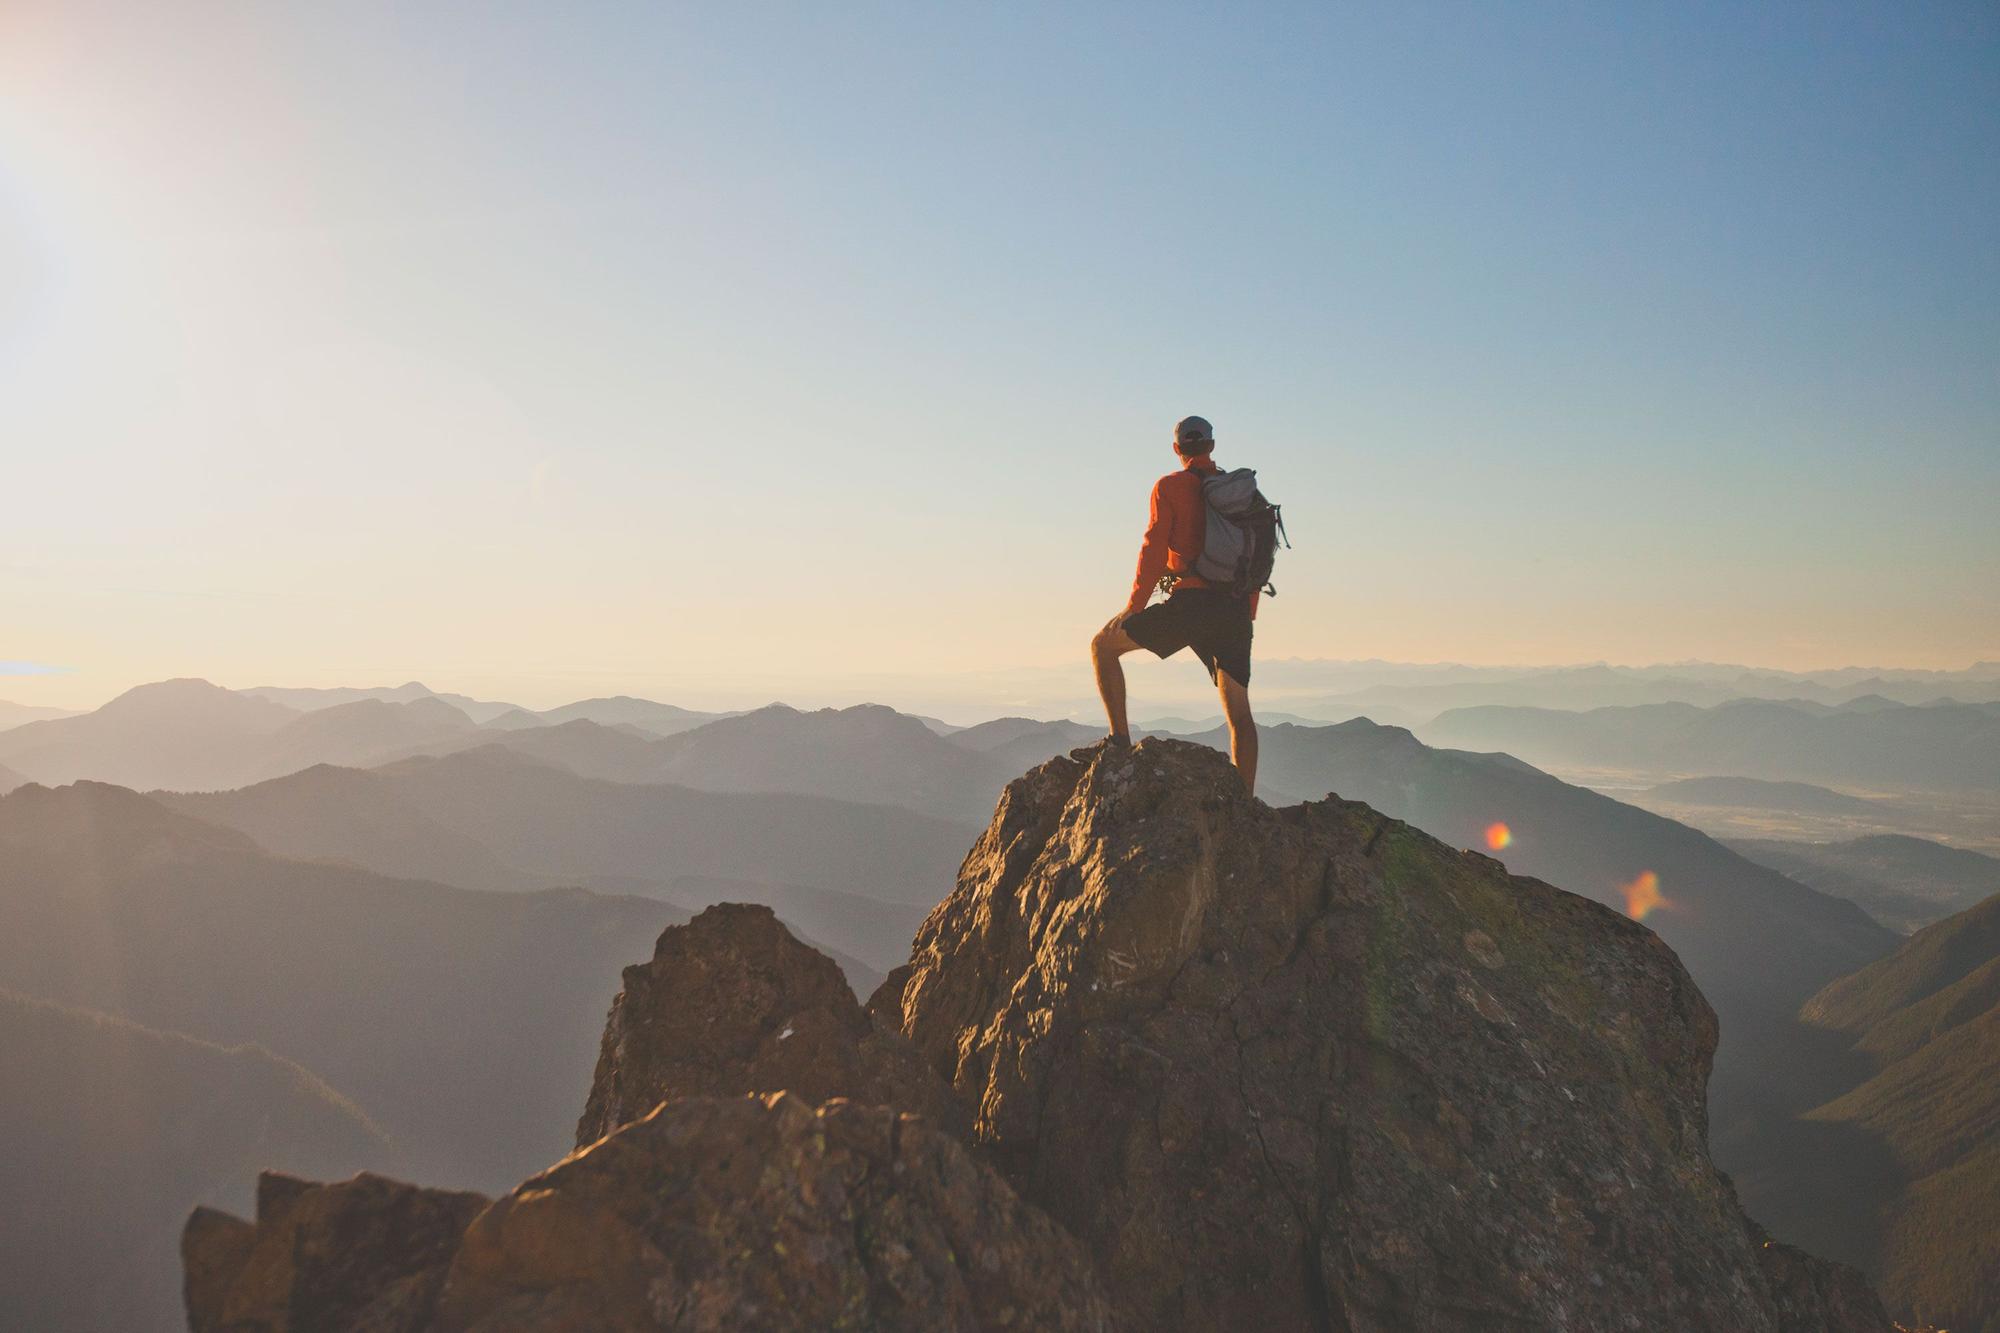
point(1112, 643)
point(1242, 727)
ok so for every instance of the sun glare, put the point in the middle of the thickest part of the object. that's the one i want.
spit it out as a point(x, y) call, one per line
point(1643, 895)
point(1498, 836)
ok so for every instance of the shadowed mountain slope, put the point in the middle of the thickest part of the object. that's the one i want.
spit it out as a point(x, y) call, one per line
point(450, 1016)
point(110, 1132)
point(1916, 1197)
point(1905, 883)
point(458, 817)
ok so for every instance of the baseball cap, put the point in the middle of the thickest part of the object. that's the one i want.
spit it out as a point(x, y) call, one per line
point(1193, 430)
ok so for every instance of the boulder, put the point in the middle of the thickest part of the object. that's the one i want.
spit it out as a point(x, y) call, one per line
point(733, 1003)
point(713, 1214)
point(1311, 1068)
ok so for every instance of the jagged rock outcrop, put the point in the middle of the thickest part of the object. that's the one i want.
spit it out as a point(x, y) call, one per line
point(733, 1003)
point(719, 1214)
point(1218, 1065)
point(366, 1255)
point(1310, 1068)
point(708, 1215)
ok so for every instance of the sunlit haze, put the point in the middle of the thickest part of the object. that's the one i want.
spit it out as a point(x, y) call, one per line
point(723, 353)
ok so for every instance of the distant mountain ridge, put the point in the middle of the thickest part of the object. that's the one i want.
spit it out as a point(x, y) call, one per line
point(1905, 883)
point(1954, 746)
point(1760, 794)
point(14, 715)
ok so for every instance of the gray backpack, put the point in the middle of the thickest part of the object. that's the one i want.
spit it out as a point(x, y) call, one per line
point(1241, 542)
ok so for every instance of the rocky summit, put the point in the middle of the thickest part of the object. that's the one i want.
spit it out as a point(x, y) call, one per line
point(1179, 1060)
point(732, 1003)
point(1311, 1068)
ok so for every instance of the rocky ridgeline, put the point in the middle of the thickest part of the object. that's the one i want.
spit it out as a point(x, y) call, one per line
point(1166, 1058)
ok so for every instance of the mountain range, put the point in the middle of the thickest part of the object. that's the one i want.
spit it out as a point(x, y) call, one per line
point(490, 818)
point(1869, 742)
point(390, 919)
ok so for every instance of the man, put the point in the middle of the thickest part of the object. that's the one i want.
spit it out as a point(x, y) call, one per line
point(1212, 621)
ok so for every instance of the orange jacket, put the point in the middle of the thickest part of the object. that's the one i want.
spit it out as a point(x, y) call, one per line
point(1174, 532)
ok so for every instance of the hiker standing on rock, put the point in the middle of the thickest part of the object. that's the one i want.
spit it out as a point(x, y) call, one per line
point(1209, 544)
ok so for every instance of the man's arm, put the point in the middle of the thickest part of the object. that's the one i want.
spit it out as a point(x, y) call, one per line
point(1152, 552)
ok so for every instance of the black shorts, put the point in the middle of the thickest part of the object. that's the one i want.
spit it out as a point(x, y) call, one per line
point(1215, 624)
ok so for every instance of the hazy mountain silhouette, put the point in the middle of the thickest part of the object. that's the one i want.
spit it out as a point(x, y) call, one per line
point(1914, 1194)
point(365, 732)
point(1941, 746)
point(657, 718)
point(1392, 692)
point(493, 817)
point(326, 813)
point(480, 711)
point(429, 1005)
point(9, 780)
point(1019, 743)
point(1905, 883)
point(14, 715)
point(864, 753)
point(110, 1132)
point(587, 749)
point(187, 734)
point(1762, 794)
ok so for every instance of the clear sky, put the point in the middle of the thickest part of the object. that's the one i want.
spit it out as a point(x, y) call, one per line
point(720, 351)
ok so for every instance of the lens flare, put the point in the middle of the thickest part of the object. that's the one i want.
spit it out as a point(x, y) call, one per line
point(1642, 895)
point(1499, 837)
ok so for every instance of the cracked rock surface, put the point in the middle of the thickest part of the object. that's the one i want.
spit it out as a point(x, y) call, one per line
point(714, 1214)
point(732, 1003)
point(1310, 1068)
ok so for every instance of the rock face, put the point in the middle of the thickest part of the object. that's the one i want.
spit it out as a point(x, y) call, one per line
point(1310, 1068)
point(365, 1254)
point(1183, 1062)
point(738, 1213)
point(732, 1003)
point(708, 1215)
